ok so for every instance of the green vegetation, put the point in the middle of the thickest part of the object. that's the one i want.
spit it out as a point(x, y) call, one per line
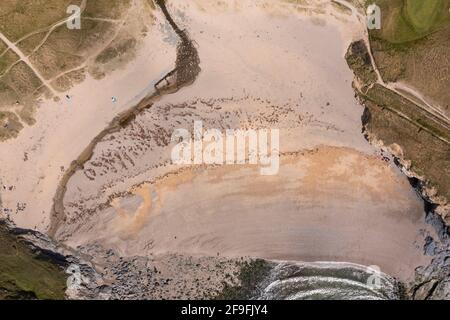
point(67, 49)
point(10, 125)
point(63, 58)
point(19, 18)
point(250, 276)
point(358, 58)
point(6, 61)
point(110, 9)
point(413, 45)
point(22, 79)
point(399, 122)
point(115, 50)
point(3, 47)
point(423, 15)
point(429, 156)
point(386, 98)
point(409, 20)
point(31, 42)
point(23, 275)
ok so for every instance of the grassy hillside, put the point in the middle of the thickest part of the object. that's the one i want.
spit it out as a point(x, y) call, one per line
point(59, 54)
point(409, 20)
point(25, 276)
point(413, 45)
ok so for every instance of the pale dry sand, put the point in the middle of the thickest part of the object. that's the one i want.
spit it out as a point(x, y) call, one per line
point(258, 70)
point(264, 65)
point(64, 128)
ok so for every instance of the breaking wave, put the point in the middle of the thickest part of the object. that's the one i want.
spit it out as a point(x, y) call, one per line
point(328, 280)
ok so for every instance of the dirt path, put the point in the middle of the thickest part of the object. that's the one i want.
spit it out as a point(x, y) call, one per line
point(25, 59)
point(433, 112)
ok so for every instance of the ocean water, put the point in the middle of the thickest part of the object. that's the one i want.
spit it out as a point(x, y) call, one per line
point(328, 280)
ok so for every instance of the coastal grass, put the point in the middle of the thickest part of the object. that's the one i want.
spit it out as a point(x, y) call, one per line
point(67, 49)
point(23, 275)
point(31, 42)
point(19, 18)
point(412, 47)
point(108, 9)
point(18, 89)
point(415, 135)
point(424, 15)
point(396, 103)
point(429, 157)
point(3, 47)
point(22, 80)
point(7, 60)
point(10, 125)
point(59, 54)
point(409, 20)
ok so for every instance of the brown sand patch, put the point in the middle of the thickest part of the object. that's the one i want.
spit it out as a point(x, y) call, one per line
point(329, 203)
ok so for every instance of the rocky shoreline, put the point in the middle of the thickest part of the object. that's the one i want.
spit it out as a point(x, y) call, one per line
point(432, 281)
point(96, 272)
point(106, 275)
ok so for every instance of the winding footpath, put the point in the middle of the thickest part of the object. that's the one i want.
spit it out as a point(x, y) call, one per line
point(27, 61)
point(433, 113)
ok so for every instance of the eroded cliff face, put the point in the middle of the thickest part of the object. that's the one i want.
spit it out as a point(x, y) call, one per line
point(419, 142)
point(418, 137)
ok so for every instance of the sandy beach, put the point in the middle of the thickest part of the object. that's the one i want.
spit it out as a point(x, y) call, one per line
point(34, 162)
point(334, 198)
point(329, 204)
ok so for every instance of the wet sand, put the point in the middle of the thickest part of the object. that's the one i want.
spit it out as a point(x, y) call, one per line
point(264, 64)
point(329, 204)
